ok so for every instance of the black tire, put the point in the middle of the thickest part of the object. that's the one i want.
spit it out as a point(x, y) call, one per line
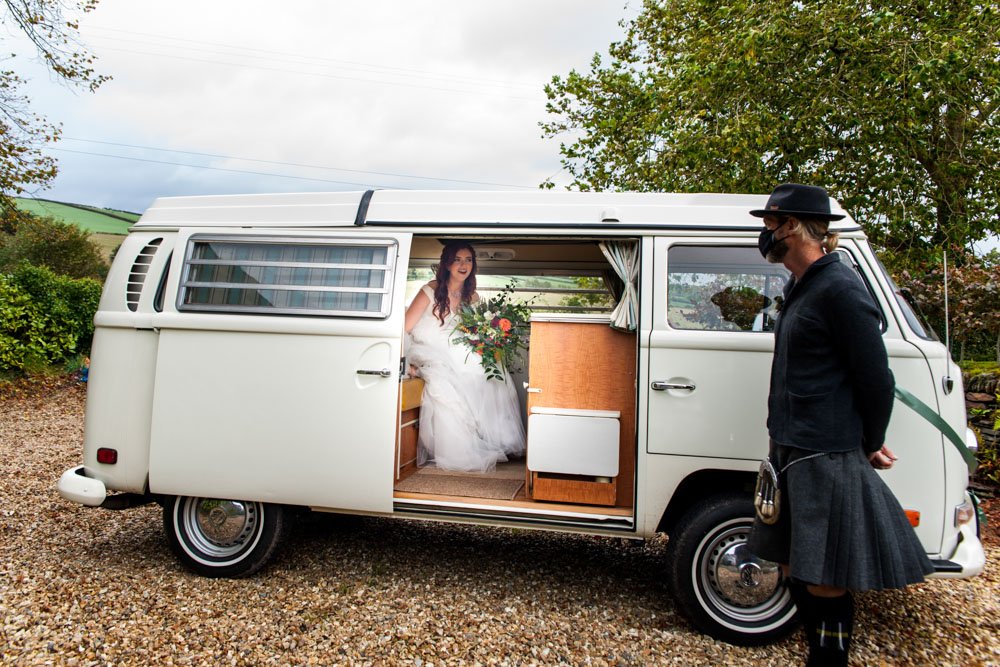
point(718, 585)
point(223, 538)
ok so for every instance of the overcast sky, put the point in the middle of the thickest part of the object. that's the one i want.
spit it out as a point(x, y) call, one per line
point(249, 96)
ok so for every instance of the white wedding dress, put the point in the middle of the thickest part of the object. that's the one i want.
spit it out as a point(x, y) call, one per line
point(467, 422)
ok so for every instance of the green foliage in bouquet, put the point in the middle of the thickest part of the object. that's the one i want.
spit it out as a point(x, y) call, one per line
point(495, 329)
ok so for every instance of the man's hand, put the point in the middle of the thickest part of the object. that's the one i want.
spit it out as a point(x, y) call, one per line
point(882, 459)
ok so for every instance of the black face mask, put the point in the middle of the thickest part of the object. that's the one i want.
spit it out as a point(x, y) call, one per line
point(767, 244)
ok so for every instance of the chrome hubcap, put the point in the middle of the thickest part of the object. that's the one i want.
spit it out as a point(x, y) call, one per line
point(220, 528)
point(743, 587)
point(222, 521)
point(738, 577)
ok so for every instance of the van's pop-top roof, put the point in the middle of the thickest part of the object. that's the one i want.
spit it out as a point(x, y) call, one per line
point(439, 208)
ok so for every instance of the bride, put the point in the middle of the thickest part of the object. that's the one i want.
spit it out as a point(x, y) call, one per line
point(467, 422)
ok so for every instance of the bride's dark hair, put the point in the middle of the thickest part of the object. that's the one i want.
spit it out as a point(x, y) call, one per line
point(442, 306)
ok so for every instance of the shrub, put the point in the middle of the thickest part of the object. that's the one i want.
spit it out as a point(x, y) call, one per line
point(44, 318)
point(66, 249)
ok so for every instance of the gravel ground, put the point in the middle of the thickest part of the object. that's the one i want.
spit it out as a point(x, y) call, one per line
point(81, 586)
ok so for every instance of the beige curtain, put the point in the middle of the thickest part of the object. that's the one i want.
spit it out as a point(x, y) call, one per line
point(624, 259)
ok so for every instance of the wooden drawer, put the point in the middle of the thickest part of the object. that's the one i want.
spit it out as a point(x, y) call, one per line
point(572, 489)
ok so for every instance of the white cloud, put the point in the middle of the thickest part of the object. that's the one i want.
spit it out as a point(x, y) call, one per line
point(450, 90)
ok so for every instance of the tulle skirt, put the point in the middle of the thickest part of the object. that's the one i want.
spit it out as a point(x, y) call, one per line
point(467, 422)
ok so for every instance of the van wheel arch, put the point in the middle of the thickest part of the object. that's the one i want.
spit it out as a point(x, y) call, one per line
point(224, 538)
point(699, 485)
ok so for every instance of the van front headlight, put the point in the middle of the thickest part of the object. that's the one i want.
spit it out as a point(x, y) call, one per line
point(965, 513)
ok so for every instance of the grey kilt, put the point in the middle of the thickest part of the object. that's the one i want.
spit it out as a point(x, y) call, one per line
point(839, 524)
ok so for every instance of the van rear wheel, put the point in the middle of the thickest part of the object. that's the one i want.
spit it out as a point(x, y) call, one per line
point(719, 586)
point(223, 538)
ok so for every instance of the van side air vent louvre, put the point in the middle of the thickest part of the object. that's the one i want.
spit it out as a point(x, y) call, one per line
point(137, 276)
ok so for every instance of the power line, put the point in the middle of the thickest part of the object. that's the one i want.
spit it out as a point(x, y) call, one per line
point(248, 52)
point(317, 74)
point(296, 164)
point(236, 171)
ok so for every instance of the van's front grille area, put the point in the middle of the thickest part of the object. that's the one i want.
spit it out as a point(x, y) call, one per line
point(137, 276)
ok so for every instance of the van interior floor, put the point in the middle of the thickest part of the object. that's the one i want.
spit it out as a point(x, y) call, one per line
point(504, 483)
point(504, 487)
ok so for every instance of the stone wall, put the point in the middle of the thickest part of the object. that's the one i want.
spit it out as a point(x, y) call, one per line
point(981, 405)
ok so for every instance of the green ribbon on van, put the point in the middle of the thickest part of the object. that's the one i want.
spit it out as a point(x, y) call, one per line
point(928, 413)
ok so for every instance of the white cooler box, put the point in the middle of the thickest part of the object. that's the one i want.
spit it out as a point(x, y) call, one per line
point(573, 442)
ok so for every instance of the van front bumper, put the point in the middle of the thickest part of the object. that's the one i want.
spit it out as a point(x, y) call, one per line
point(75, 486)
point(968, 559)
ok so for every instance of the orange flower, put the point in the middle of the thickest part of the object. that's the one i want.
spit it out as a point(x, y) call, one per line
point(505, 325)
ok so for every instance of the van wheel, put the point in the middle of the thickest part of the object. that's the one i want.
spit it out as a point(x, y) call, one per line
point(721, 588)
point(223, 538)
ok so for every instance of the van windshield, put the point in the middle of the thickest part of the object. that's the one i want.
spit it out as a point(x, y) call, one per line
point(915, 319)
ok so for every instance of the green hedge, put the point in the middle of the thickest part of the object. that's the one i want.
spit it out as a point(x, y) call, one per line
point(45, 318)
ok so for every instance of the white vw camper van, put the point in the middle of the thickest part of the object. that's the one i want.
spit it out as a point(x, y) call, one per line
point(249, 361)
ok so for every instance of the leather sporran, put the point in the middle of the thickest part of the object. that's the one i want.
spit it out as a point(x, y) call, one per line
point(767, 495)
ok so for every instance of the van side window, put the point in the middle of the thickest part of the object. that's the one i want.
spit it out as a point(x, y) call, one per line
point(722, 288)
point(290, 276)
point(161, 288)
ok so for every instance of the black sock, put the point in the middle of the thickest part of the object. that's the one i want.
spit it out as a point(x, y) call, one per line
point(800, 596)
point(831, 621)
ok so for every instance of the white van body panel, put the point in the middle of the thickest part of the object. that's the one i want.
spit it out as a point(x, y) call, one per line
point(218, 427)
point(124, 364)
point(273, 211)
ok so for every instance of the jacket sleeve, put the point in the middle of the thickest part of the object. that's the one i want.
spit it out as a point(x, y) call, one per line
point(856, 326)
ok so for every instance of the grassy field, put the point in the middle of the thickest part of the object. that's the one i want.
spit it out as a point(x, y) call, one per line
point(107, 227)
point(108, 243)
point(93, 219)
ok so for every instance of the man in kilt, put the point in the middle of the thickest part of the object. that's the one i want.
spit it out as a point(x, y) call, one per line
point(836, 527)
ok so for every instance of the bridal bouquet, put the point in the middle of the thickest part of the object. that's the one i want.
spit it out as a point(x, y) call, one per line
point(495, 329)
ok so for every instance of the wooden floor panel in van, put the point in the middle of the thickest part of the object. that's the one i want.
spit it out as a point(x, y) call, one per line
point(511, 471)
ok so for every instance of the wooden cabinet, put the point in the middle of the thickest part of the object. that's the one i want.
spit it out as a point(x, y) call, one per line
point(584, 365)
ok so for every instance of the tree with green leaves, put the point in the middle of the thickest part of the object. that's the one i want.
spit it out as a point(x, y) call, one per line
point(53, 33)
point(64, 249)
point(892, 106)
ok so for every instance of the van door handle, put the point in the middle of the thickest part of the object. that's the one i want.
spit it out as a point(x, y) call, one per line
point(385, 372)
point(659, 385)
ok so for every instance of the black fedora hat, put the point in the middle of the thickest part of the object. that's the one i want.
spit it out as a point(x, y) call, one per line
point(807, 201)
